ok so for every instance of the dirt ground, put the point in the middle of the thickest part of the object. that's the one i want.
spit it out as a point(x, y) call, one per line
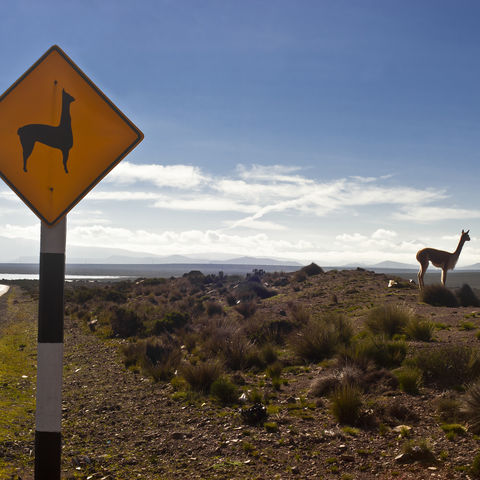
point(118, 424)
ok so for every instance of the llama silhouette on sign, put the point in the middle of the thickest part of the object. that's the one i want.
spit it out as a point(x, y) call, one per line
point(56, 137)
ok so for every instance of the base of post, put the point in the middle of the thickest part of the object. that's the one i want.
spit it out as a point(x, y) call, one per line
point(48, 450)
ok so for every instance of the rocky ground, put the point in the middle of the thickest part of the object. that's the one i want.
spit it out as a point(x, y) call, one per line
point(119, 424)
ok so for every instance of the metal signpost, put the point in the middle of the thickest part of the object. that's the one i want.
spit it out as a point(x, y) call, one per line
point(59, 136)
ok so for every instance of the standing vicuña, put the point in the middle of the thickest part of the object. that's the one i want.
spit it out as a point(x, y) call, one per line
point(440, 258)
point(60, 136)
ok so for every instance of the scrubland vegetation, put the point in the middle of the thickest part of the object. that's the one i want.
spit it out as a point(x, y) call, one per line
point(310, 374)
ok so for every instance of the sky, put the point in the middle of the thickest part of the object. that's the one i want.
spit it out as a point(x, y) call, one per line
point(339, 132)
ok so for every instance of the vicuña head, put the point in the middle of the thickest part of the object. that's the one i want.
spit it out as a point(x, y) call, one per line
point(439, 258)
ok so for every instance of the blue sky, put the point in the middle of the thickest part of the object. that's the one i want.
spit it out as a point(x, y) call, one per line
point(328, 131)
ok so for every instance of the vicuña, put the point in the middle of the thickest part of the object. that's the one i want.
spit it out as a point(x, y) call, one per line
point(439, 258)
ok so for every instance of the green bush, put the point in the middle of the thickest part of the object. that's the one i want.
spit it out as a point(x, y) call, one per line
point(125, 322)
point(170, 322)
point(475, 467)
point(388, 320)
point(409, 379)
point(470, 407)
point(246, 309)
point(448, 409)
point(213, 308)
point(418, 329)
point(447, 365)
point(224, 391)
point(158, 358)
point(438, 296)
point(312, 269)
point(201, 376)
point(320, 338)
point(466, 297)
point(382, 351)
point(346, 403)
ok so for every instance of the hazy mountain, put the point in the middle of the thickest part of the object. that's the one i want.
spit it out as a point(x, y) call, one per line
point(394, 265)
point(112, 256)
point(258, 261)
point(475, 266)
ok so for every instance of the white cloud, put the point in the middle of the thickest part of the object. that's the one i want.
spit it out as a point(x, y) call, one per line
point(382, 234)
point(204, 203)
point(428, 214)
point(30, 232)
point(175, 176)
point(190, 241)
point(257, 225)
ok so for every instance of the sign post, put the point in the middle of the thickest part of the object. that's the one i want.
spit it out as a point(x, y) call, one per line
point(50, 352)
point(59, 136)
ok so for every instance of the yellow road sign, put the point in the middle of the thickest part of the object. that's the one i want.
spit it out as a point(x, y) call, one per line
point(59, 136)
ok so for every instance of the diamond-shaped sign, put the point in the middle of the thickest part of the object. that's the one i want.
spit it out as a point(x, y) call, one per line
point(59, 136)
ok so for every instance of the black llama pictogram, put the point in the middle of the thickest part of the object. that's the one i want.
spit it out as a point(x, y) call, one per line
point(56, 137)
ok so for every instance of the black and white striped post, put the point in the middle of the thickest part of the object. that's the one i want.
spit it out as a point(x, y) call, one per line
point(48, 442)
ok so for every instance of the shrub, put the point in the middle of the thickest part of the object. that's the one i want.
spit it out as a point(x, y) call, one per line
point(388, 320)
point(299, 313)
point(346, 402)
point(201, 376)
point(379, 350)
point(246, 309)
point(125, 322)
point(224, 391)
point(171, 321)
point(312, 269)
point(418, 329)
point(438, 296)
point(409, 379)
point(158, 358)
point(470, 407)
point(475, 467)
point(320, 338)
point(466, 297)
point(253, 288)
point(417, 451)
point(453, 429)
point(448, 365)
point(271, 427)
point(213, 308)
point(236, 351)
point(274, 371)
point(448, 409)
point(324, 385)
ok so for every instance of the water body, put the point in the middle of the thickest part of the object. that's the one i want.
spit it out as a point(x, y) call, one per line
point(35, 276)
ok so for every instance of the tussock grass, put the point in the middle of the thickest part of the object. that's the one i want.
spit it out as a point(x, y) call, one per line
point(448, 365)
point(379, 350)
point(470, 408)
point(157, 357)
point(321, 337)
point(201, 376)
point(346, 403)
point(419, 329)
point(438, 296)
point(409, 379)
point(388, 319)
point(466, 297)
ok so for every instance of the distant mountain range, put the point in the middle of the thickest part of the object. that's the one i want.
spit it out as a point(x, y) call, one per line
point(79, 255)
